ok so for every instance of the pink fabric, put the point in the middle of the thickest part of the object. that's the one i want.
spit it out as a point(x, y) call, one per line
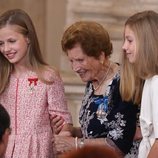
point(30, 105)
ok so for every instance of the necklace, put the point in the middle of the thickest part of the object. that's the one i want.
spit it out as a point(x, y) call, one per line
point(102, 79)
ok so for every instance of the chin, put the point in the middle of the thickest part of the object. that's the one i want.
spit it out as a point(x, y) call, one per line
point(12, 61)
point(84, 79)
point(132, 61)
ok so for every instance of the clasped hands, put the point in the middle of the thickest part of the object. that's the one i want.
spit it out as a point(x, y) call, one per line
point(63, 139)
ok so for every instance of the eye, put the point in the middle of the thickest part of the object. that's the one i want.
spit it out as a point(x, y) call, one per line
point(130, 41)
point(71, 61)
point(80, 60)
point(1, 43)
point(12, 40)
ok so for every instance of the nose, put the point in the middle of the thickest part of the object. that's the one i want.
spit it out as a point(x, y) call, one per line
point(5, 48)
point(124, 47)
point(75, 66)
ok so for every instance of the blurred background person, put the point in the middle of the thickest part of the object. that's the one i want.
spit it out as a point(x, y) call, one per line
point(91, 152)
point(5, 130)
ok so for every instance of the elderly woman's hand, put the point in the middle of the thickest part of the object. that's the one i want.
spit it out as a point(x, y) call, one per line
point(64, 144)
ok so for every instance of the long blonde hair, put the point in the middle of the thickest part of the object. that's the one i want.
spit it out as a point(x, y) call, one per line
point(25, 26)
point(130, 85)
point(145, 27)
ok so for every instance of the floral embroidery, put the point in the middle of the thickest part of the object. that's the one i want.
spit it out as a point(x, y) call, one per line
point(86, 115)
point(113, 126)
point(134, 150)
point(117, 125)
point(32, 83)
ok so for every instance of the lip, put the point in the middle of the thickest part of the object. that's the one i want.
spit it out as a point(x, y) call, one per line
point(81, 73)
point(128, 54)
point(10, 55)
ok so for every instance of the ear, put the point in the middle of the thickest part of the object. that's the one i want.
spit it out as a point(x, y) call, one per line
point(6, 135)
point(102, 57)
point(28, 40)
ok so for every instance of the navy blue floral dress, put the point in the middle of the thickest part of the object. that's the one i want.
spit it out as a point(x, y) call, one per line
point(107, 116)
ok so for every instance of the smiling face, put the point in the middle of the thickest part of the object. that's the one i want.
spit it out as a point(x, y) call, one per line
point(85, 66)
point(13, 45)
point(129, 46)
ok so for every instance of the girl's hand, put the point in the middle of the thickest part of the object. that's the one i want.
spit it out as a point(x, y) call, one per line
point(57, 123)
point(138, 134)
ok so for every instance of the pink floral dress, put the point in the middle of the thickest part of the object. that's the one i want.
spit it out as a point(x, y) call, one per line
point(30, 103)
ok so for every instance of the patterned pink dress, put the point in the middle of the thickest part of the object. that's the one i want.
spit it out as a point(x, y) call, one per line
point(30, 103)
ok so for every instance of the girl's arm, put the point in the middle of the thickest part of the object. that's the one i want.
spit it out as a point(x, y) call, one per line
point(59, 126)
point(57, 104)
point(154, 150)
point(138, 134)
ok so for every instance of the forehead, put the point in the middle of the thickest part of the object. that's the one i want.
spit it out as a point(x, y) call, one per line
point(76, 52)
point(9, 30)
point(128, 31)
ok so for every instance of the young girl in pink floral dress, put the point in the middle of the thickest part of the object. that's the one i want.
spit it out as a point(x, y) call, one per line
point(30, 90)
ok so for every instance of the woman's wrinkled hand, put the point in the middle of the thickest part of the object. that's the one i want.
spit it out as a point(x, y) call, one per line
point(64, 144)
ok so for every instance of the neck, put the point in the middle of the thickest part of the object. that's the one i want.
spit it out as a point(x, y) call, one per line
point(20, 69)
point(99, 83)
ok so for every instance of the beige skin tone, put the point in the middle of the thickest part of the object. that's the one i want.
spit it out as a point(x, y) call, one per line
point(59, 126)
point(154, 150)
point(13, 46)
point(89, 69)
point(129, 45)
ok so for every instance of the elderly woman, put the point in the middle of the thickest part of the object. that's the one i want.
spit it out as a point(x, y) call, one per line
point(105, 118)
